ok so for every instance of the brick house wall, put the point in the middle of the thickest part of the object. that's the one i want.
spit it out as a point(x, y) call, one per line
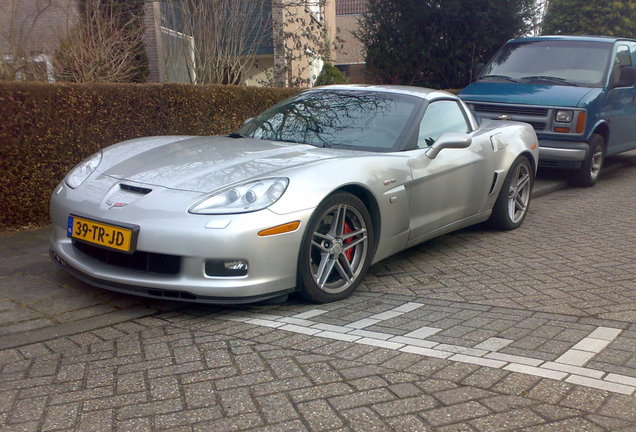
point(350, 56)
point(153, 42)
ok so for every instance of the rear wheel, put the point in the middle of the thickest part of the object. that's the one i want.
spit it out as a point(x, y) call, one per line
point(336, 250)
point(590, 170)
point(513, 201)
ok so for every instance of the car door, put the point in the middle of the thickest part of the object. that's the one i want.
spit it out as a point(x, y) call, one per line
point(454, 185)
point(620, 103)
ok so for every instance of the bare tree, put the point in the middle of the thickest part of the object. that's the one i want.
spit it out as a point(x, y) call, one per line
point(102, 46)
point(18, 24)
point(226, 35)
point(301, 41)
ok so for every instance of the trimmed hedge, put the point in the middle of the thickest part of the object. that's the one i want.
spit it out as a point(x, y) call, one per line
point(45, 129)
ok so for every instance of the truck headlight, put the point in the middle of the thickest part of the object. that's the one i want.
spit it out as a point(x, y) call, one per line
point(563, 116)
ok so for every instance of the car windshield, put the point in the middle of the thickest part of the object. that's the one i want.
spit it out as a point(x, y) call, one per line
point(360, 120)
point(554, 62)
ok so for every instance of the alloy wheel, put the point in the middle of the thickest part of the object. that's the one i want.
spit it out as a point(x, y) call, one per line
point(338, 248)
point(519, 193)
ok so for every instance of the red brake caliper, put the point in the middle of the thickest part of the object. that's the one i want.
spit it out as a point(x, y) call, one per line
point(347, 230)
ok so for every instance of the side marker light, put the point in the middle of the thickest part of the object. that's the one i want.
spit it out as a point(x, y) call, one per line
point(280, 229)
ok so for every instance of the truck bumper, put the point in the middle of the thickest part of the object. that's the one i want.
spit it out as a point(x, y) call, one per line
point(562, 154)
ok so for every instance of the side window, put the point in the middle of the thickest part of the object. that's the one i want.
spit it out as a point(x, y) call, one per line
point(441, 117)
point(623, 59)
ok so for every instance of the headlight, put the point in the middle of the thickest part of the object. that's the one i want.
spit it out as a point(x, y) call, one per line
point(563, 116)
point(81, 172)
point(248, 197)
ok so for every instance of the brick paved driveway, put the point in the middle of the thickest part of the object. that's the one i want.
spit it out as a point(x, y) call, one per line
point(475, 331)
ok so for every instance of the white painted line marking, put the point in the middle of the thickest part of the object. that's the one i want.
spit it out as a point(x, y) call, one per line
point(426, 351)
point(299, 329)
point(386, 315)
point(514, 359)
point(413, 341)
point(366, 322)
point(423, 332)
point(606, 333)
point(408, 307)
point(575, 357)
point(265, 323)
point(568, 366)
point(297, 321)
point(337, 336)
point(601, 385)
point(494, 344)
point(591, 345)
point(531, 370)
point(592, 373)
point(331, 328)
point(265, 316)
point(380, 343)
point(309, 314)
point(462, 350)
point(478, 361)
point(621, 379)
point(371, 334)
point(236, 318)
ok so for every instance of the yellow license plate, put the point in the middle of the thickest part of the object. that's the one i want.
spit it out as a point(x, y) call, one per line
point(100, 233)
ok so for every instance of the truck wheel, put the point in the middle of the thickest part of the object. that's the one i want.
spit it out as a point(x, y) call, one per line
point(590, 170)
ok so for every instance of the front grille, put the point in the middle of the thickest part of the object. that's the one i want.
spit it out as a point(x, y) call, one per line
point(510, 109)
point(538, 126)
point(143, 261)
point(538, 117)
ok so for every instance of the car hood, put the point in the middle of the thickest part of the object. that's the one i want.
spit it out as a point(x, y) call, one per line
point(524, 94)
point(204, 164)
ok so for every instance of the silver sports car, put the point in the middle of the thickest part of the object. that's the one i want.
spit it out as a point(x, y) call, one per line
point(304, 197)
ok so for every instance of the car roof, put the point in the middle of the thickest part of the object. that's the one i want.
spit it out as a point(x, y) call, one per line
point(421, 92)
point(606, 39)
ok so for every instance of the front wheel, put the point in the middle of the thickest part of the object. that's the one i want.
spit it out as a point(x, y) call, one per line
point(336, 249)
point(590, 170)
point(513, 200)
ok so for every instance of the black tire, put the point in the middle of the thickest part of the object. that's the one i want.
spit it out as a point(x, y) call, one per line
point(590, 170)
point(333, 259)
point(513, 200)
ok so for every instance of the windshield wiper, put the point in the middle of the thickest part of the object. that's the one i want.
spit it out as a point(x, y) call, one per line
point(237, 135)
point(549, 79)
point(501, 77)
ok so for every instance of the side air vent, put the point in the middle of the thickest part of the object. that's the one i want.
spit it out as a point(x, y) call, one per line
point(135, 189)
point(494, 183)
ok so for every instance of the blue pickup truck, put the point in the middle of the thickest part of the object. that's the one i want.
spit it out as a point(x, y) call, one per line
point(578, 92)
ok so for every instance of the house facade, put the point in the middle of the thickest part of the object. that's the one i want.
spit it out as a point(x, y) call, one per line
point(285, 51)
point(30, 31)
point(350, 53)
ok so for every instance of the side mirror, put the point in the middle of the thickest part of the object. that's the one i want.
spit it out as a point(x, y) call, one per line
point(449, 140)
point(628, 77)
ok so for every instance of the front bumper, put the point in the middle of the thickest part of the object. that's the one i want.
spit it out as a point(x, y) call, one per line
point(562, 154)
point(272, 260)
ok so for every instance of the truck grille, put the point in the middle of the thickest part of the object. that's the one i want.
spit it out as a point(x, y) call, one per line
point(510, 109)
point(538, 117)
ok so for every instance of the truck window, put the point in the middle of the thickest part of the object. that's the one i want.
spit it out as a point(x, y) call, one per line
point(573, 62)
point(622, 59)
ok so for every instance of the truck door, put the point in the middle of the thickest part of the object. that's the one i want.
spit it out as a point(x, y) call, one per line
point(620, 104)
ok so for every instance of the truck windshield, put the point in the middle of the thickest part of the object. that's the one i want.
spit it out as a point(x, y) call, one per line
point(554, 62)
